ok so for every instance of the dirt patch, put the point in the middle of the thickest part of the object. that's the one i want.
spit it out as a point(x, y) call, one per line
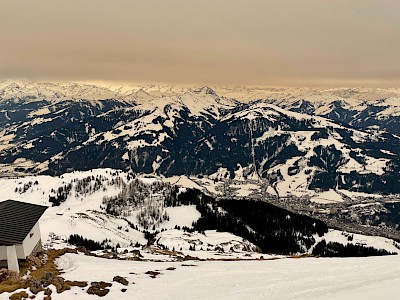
point(19, 296)
point(153, 274)
point(170, 269)
point(99, 288)
point(76, 283)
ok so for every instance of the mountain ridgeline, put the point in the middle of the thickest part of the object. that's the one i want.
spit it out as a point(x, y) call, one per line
point(292, 140)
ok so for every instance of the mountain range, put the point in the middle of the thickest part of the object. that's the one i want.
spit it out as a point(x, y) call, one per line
point(293, 140)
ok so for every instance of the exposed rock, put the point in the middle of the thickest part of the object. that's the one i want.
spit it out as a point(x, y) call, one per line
point(60, 284)
point(48, 292)
point(121, 280)
point(8, 275)
point(35, 286)
point(47, 278)
point(153, 274)
point(35, 261)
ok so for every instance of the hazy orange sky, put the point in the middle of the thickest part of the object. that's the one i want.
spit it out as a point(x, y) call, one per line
point(248, 42)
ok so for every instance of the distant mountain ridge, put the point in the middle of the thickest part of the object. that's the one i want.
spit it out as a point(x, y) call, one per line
point(294, 140)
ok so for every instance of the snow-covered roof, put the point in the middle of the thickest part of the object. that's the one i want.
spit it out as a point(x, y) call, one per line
point(17, 219)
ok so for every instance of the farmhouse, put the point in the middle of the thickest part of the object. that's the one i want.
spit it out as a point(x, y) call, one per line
point(19, 232)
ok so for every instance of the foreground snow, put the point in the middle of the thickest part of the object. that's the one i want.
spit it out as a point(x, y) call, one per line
point(307, 278)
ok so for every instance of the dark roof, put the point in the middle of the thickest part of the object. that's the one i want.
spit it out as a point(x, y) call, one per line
point(17, 219)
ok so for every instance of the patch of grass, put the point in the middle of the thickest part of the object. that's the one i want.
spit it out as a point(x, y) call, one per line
point(11, 286)
point(77, 283)
point(37, 275)
point(19, 296)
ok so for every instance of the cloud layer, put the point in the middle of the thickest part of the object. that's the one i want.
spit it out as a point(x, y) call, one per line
point(252, 42)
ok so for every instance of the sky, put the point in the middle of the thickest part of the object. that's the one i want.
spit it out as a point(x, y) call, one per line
point(317, 43)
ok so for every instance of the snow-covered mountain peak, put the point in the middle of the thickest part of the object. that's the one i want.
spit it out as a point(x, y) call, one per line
point(204, 90)
point(53, 91)
point(197, 102)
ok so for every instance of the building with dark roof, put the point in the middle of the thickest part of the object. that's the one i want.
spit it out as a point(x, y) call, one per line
point(19, 231)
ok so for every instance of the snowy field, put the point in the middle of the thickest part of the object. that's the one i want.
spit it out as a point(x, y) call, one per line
point(312, 278)
point(306, 278)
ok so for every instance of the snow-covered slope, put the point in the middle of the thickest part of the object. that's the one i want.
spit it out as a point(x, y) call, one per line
point(81, 214)
point(309, 278)
point(83, 200)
